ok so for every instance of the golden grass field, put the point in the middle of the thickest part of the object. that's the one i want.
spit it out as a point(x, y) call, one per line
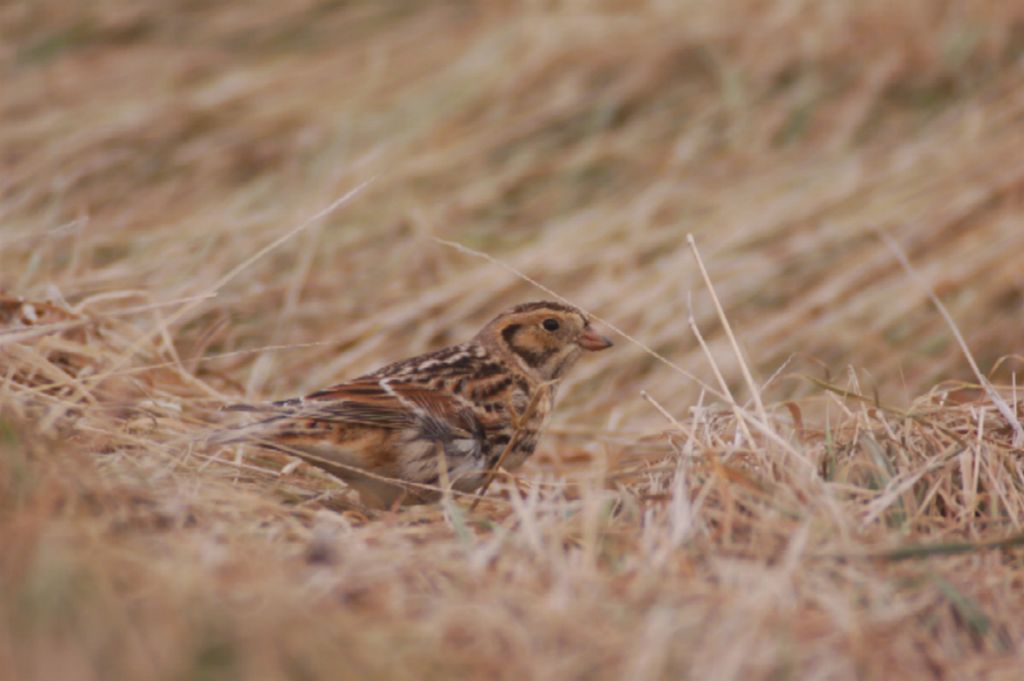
point(172, 239)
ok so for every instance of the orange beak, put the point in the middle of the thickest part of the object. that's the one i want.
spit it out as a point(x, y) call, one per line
point(592, 340)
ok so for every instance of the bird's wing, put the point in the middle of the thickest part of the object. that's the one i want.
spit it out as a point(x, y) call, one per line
point(387, 405)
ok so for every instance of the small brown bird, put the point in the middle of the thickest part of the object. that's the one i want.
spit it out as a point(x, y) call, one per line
point(464, 409)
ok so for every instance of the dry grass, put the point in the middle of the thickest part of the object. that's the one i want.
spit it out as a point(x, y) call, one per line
point(160, 164)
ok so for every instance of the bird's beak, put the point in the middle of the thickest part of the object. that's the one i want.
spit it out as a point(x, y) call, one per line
point(592, 340)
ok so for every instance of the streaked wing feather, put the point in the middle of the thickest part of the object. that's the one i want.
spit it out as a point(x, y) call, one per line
point(398, 406)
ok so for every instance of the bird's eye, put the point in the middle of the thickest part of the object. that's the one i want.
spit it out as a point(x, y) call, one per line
point(551, 324)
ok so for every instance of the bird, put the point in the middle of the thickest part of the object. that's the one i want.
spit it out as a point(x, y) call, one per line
point(400, 434)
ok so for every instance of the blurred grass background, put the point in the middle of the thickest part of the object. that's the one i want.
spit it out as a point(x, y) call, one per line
point(147, 149)
point(153, 147)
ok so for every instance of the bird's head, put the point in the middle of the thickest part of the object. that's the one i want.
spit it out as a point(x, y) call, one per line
point(543, 338)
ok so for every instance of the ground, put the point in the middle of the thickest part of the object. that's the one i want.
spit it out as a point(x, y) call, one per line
point(803, 458)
